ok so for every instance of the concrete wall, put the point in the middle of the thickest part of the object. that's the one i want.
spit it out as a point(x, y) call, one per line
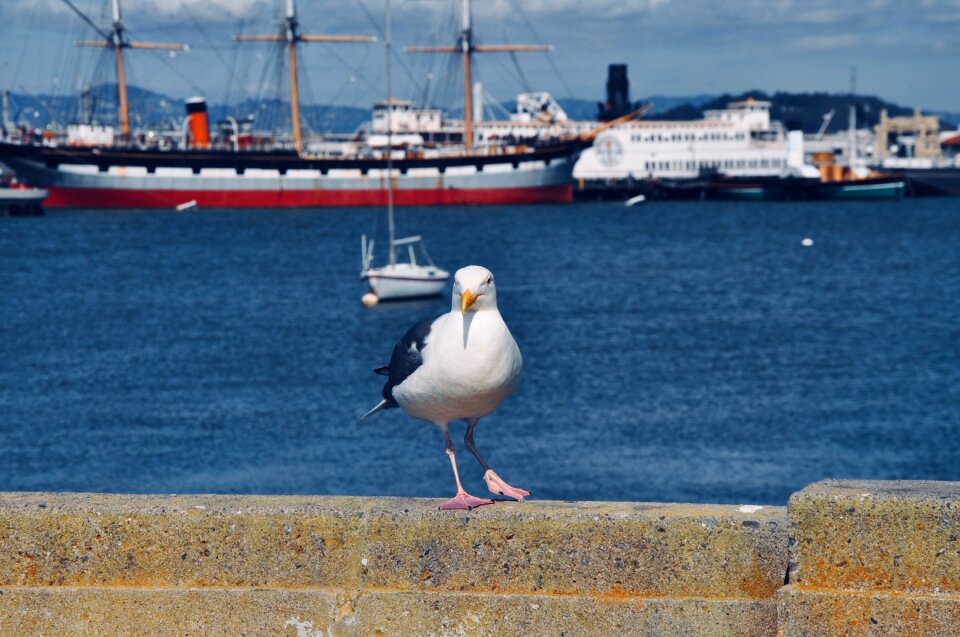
point(865, 559)
point(871, 559)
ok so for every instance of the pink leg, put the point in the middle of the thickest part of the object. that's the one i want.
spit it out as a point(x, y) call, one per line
point(494, 482)
point(496, 485)
point(463, 500)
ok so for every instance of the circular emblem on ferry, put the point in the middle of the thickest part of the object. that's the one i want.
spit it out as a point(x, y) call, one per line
point(609, 150)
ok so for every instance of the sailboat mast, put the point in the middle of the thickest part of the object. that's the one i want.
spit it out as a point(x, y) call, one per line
point(117, 37)
point(392, 229)
point(852, 120)
point(294, 88)
point(466, 46)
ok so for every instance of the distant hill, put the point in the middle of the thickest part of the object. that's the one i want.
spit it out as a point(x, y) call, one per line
point(578, 109)
point(149, 108)
point(806, 110)
point(948, 119)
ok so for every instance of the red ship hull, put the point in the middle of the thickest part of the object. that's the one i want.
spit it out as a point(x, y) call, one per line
point(143, 178)
point(71, 197)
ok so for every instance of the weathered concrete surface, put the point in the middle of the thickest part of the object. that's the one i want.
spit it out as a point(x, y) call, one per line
point(872, 559)
point(312, 613)
point(876, 536)
point(210, 565)
point(609, 549)
point(811, 613)
point(159, 613)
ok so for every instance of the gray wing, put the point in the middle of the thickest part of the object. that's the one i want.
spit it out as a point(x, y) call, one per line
point(407, 357)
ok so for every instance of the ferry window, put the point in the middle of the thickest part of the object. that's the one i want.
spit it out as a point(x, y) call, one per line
point(753, 163)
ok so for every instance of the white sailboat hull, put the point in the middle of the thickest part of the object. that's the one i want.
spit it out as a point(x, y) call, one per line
point(405, 281)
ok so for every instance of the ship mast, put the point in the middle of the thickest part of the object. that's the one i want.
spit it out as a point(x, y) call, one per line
point(392, 255)
point(116, 40)
point(292, 36)
point(467, 48)
point(852, 121)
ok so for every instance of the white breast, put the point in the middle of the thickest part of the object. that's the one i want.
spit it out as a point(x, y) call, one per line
point(458, 378)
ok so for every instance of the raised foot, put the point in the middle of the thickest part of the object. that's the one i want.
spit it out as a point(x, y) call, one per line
point(496, 485)
point(463, 501)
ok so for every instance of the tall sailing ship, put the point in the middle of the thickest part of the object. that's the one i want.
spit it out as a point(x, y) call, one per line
point(127, 174)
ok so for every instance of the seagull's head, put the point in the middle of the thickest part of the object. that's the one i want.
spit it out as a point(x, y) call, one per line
point(474, 290)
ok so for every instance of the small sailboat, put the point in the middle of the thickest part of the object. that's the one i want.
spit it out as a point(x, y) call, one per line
point(398, 280)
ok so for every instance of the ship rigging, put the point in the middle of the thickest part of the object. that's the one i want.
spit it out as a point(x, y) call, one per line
point(357, 172)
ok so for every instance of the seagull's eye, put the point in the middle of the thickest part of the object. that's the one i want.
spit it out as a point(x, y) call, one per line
point(489, 280)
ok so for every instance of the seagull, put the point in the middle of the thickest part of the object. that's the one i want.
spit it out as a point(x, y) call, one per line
point(459, 365)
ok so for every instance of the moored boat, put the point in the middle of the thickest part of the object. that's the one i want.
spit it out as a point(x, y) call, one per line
point(126, 174)
point(21, 202)
point(132, 177)
point(396, 280)
point(812, 188)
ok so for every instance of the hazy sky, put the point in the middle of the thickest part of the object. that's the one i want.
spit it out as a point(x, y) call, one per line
point(905, 51)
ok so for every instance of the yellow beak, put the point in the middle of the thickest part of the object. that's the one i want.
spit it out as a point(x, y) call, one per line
point(467, 299)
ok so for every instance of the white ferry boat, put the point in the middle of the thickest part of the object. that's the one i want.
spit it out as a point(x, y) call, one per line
point(738, 141)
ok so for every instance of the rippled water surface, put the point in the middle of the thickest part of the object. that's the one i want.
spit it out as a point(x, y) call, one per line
point(677, 351)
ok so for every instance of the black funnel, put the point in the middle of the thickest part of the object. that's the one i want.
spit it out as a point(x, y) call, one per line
point(618, 93)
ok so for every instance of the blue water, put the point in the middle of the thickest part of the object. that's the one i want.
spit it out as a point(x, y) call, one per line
point(677, 351)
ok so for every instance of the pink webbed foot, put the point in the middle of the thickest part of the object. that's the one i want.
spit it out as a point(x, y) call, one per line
point(463, 501)
point(496, 485)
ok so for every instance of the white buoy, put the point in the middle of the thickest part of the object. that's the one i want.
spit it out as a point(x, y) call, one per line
point(633, 201)
point(187, 205)
point(369, 299)
point(807, 242)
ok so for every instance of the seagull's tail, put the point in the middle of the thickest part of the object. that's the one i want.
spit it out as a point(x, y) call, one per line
point(383, 404)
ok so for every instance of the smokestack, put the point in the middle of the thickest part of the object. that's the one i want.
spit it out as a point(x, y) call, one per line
point(197, 122)
point(618, 93)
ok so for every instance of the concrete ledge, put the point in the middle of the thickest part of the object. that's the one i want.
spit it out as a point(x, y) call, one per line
point(607, 549)
point(873, 559)
point(876, 536)
point(867, 559)
point(314, 613)
point(211, 565)
point(809, 613)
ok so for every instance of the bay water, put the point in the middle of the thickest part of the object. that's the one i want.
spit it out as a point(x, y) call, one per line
point(677, 351)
